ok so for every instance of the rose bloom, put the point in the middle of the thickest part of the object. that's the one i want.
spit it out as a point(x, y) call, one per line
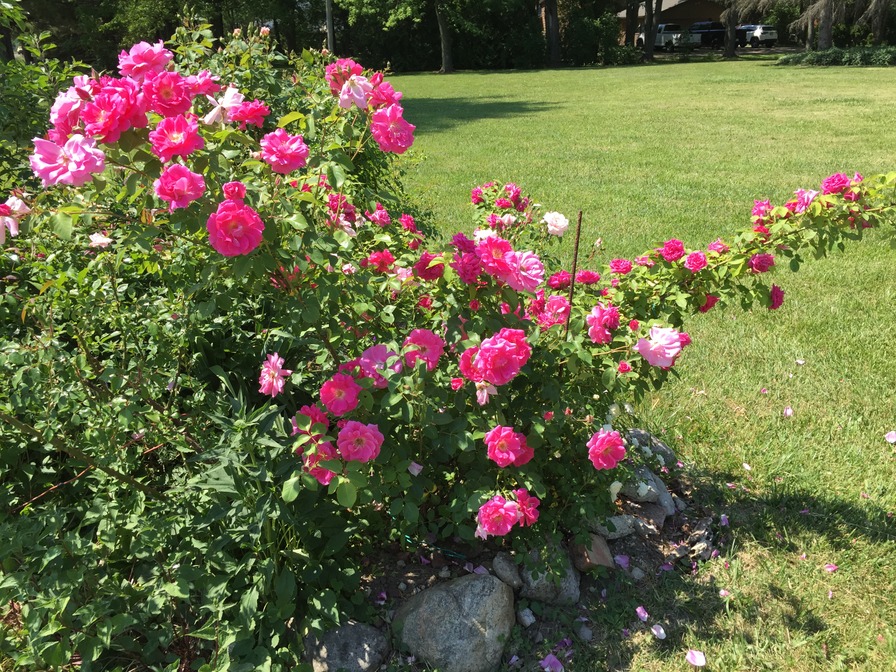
point(235, 191)
point(528, 507)
point(605, 449)
point(684, 338)
point(835, 184)
point(168, 94)
point(557, 224)
point(718, 247)
point(234, 228)
point(323, 452)
point(340, 394)
point(467, 266)
point(383, 93)
point(221, 108)
point(391, 132)
point(672, 250)
point(587, 277)
point(118, 105)
point(249, 113)
point(380, 261)
point(624, 367)
point(495, 255)
point(273, 376)
point(560, 280)
point(427, 346)
point(645, 260)
point(496, 517)
point(380, 216)
point(179, 186)
point(500, 357)
point(144, 60)
point(760, 263)
point(601, 322)
point(315, 416)
point(10, 213)
point(527, 271)
point(621, 266)
point(74, 163)
point(476, 196)
point(426, 270)
point(378, 358)
point(761, 208)
point(556, 311)
point(283, 152)
point(506, 447)
point(709, 303)
point(662, 348)
point(175, 136)
point(203, 84)
point(776, 297)
point(356, 89)
point(695, 262)
point(359, 442)
point(804, 198)
point(339, 72)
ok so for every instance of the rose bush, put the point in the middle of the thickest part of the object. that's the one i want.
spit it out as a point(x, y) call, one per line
point(237, 361)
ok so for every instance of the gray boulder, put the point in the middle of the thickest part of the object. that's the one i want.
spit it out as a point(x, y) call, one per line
point(352, 647)
point(615, 527)
point(665, 498)
point(550, 588)
point(643, 488)
point(505, 569)
point(458, 626)
point(648, 442)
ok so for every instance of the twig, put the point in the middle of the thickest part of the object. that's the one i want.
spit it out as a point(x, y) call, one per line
point(572, 280)
point(53, 487)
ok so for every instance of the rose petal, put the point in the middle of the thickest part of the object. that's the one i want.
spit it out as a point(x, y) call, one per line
point(831, 567)
point(723, 520)
point(658, 631)
point(642, 613)
point(696, 658)
point(890, 436)
point(622, 561)
point(747, 467)
point(787, 412)
point(724, 593)
point(415, 468)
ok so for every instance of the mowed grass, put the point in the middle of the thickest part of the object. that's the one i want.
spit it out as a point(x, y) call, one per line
point(681, 150)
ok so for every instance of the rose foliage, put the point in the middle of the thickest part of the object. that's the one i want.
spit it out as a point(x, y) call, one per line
point(236, 362)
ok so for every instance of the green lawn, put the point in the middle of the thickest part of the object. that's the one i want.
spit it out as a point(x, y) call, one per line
point(680, 150)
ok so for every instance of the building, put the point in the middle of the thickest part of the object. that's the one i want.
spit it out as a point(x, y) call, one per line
point(683, 12)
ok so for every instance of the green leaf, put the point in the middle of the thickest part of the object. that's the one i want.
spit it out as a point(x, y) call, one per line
point(288, 119)
point(62, 225)
point(292, 487)
point(346, 494)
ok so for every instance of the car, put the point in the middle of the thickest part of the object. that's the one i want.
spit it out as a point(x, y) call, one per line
point(757, 35)
point(668, 36)
point(707, 34)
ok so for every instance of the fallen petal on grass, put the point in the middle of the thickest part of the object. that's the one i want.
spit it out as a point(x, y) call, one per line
point(788, 412)
point(747, 467)
point(696, 658)
point(890, 436)
point(723, 520)
point(622, 561)
point(642, 613)
point(550, 663)
point(724, 593)
point(658, 631)
point(831, 567)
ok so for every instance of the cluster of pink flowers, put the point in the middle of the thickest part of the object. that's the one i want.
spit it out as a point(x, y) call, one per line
point(549, 312)
point(523, 271)
point(423, 345)
point(498, 515)
point(234, 228)
point(498, 359)
point(602, 321)
point(507, 447)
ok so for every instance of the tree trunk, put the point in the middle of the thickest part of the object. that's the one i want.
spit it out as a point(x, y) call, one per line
point(10, 54)
point(552, 25)
point(631, 22)
point(879, 22)
point(730, 17)
point(826, 25)
point(810, 35)
point(446, 39)
point(649, 31)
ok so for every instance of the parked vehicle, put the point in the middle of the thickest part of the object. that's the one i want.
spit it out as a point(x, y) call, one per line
point(668, 36)
point(756, 35)
point(707, 34)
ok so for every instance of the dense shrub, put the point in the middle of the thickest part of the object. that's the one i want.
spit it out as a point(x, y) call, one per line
point(236, 363)
point(857, 56)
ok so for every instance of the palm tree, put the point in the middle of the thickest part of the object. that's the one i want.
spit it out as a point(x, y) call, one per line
point(873, 13)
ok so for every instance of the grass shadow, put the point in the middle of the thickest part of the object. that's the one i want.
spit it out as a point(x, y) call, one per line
point(442, 114)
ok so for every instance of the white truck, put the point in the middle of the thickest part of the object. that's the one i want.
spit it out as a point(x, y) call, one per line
point(669, 36)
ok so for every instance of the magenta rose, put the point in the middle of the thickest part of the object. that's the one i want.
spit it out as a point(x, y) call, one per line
point(359, 442)
point(179, 187)
point(760, 263)
point(175, 136)
point(496, 517)
point(776, 297)
point(283, 152)
point(605, 449)
point(672, 250)
point(836, 184)
point(621, 266)
point(426, 270)
point(234, 228)
point(695, 262)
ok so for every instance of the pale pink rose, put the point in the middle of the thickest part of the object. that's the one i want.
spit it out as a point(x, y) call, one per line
point(662, 348)
point(179, 186)
point(99, 240)
point(506, 447)
point(761, 208)
point(74, 163)
point(378, 358)
point(425, 345)
point(496, 517)
point(264, 31)
point(66, 112)
point(168, 94)
point(359, 442)
point(11, 213)
point(391, 132)
point(340, 394)
point(273, 376)
point(556, 311)
point(355, 90)
point(527, 271)
point(718, 247)
point(835, 184)
point(605, 449)
point(144, 61)
point(557, 224)
point(221, 108)
point(176, 136)
point(283, 152)
point(695, 262)
point(484, 390)
point(234, 228)
point(203, 84)
point(528, 506)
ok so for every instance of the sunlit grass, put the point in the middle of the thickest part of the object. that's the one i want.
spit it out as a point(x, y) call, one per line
point(680, 150)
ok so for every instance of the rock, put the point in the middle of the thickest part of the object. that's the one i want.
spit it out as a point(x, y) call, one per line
point(638, 573)
point(642, 488)
point(651, 519)
point(505, 568)
point(353, 647)
point(445, 573)
point(679, 552)
point(653, 445)
point(458, 626)
point(664, 499)
point(549, 588)
point(584, 633)
point(615, 527)
point(680, 504)
point(525, 617)
point(586, 559)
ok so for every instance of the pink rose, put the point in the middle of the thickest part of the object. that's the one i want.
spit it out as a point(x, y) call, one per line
point(179, 186)
point(695, 262)
point(176, 136)
point(528, 506)
point(168, 93)
point(339, 72)
point(249, 113)
point(624, 367)
point(587, 277)
point(203, 84)
point(234, 191)
point(776, 297)
point(355, 90)
point(340, 394)
point(273, 376)
point(283, 152)
point(621, 266)
point(760, 263)
point(144, 60)
point(383, 94)
point(672, 250)
point(74, 163)
point(391, 132)
point(761, 208)
point(467, 266)
point(605, 449)
point(495, 255)
point(601, 322)
point(804, 198)
point(426, 346)
point(496, 517)
point(560, 280)
point(234, 228)
point(527, 271)
point(378, 358)
point(645, 260)
point(426, 270)
point(718, 247)
point(506, 447)
point(556, 311)
point(321, 452)
point(118, 105)
point(836, 184)
point(359, 442)
point(709, 303)
point(662, 348)
point(500, 357)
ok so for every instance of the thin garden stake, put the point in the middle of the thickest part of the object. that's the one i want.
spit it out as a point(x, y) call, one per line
point(575, 263)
